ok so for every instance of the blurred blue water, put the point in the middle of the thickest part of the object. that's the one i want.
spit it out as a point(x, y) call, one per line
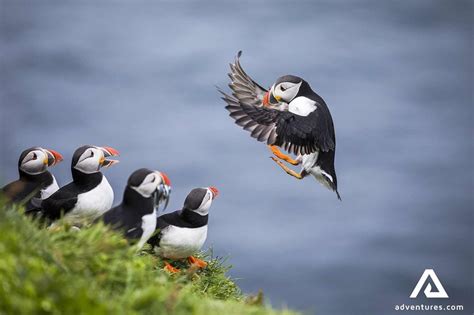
point(396, 75)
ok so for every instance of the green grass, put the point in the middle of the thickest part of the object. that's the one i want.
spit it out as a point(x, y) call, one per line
point(95, 271)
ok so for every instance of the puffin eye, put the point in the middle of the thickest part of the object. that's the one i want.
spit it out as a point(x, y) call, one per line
point(34, 156)
point(283, 89)
point(92, 154)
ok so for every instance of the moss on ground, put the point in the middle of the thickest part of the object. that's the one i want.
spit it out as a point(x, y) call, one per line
point(95, 271)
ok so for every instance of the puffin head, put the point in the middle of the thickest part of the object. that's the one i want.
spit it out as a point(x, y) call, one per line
point(36, 160)
point(151, 183)
point(285, 89)
point(88, 159)
point(199, 200)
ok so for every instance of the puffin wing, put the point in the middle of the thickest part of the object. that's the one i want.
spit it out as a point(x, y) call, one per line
point(62, 201)
point(258, 120)
point(21, 191)
point(118, 220)
point(294, 133)
point(134, 233)
point(243, 87)
point(305, 134)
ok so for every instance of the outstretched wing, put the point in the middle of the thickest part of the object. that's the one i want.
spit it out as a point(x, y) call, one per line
point(243, 87)
point(294, 133)
point(258, 120)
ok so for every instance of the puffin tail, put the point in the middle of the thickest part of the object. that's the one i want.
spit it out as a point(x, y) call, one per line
point(328, 174)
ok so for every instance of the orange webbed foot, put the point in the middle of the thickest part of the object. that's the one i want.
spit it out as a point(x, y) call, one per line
point(287, 170)
point(170, 268)
point(197, 262)
point(282, 156)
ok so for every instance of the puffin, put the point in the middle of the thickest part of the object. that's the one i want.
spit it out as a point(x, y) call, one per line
point(291, 116)
point(182, 233)
point(35, 180)
point(89, 195)
point(136, 216)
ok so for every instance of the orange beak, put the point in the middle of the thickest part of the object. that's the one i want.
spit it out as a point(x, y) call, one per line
point(166, 179)
point(108, 151)
point(111, 151)
point(214, 191)
point(53, 157)
point(266, 99)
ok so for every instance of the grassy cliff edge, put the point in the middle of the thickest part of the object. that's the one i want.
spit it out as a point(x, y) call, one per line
point(95, 271)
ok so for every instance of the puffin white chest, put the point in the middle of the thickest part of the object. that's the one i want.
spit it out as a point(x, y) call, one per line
point(94, 203)
point(148, 228)
point(51, 189)
point(179, 242)
point(302, 106)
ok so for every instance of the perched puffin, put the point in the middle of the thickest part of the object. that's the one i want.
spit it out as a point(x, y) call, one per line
point(35, 180)
point(89, 195)
point(136, 216)
point(290, 115)
point(182, 233)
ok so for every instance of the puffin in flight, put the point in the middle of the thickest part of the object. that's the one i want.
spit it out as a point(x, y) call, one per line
point(35, 180)
point(136, 216)
point(182, 233)
point(289, 115)
point(89, 195)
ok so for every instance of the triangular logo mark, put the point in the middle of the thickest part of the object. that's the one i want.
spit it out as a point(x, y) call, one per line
point(439, 294)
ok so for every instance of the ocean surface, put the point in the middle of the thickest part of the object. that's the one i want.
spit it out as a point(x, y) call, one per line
point(396, 75)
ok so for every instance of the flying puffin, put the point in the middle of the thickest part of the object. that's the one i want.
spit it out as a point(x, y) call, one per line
point(289, 115)
point(35, 180)
point(136, 216)
point(182, 233)
point(89, 195)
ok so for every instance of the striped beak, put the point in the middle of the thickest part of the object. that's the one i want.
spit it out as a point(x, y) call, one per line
point(53, 157)
point(215, 192)
point(108, 151)
point(163, 193)
point(269, 99)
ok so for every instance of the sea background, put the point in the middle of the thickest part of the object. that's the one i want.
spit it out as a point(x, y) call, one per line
point(396, 75)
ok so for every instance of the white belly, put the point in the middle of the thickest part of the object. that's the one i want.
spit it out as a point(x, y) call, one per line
point(92, 204)
point(148, 228)
point(51, 189)
point(178, 243)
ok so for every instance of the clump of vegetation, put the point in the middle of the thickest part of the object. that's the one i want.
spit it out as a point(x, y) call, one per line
point(95, 271)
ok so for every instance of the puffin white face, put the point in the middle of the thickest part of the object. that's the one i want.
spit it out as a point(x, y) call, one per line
point(210, 194)
point(149, 184)
point(93, 158)
point(37, 160)
point(284, 92)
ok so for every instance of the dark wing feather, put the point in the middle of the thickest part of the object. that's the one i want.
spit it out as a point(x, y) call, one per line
point(294, 133)
point(23, 192)
point(134, 233)
point(118, 218)
point(62, 201)
point(243, 87)
point(305, 134)
point(260, 121)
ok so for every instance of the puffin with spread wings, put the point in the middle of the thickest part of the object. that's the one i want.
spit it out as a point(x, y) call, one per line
point(289, 115)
